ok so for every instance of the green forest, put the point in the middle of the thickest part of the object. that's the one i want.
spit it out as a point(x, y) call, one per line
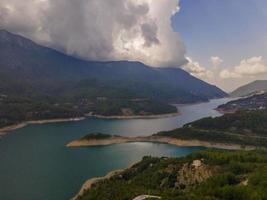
point(223, 175)
point(243, 127)
point(16, 109)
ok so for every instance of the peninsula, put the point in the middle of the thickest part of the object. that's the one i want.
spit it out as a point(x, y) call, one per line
point(99, 139)
point(243, 129)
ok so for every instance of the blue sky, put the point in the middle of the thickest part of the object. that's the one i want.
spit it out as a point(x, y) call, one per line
point(231, 29)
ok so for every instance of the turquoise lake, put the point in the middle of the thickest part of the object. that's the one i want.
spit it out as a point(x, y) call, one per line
point(36, 165)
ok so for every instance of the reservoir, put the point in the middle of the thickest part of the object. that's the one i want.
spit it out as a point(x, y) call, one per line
point(36, 165)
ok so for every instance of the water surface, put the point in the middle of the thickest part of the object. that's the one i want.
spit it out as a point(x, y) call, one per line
point(36, 165)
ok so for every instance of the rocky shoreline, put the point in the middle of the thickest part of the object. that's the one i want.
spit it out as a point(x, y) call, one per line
point(92, 181)
point(88, 184)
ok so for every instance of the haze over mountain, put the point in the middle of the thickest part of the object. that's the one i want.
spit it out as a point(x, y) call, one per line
point(251, 88)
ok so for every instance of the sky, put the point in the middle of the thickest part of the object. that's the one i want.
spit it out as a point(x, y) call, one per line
point(223, 42)
point(233, 30)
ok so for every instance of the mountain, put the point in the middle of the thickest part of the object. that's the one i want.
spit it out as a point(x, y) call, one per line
point(251, 88)
point(47, 70)
point(34, 74)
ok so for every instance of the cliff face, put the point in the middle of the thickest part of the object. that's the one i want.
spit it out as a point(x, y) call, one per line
point(194, 173)
point(187, 175)
point(175, 175)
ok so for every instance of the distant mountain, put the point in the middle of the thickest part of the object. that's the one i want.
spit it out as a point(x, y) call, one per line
point(250, 89)
point(31, 73)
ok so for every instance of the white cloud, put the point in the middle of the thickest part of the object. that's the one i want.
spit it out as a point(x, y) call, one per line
point(251, 66)
point(225, 74)
point(194, 68)
point(216, 61)
point(248, 70)
point(248, 67)
point(100, 29)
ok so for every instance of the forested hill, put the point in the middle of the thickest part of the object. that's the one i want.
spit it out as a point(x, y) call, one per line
point(247, 128)
point(206, 175)
point(254, 102)
point(37, 82)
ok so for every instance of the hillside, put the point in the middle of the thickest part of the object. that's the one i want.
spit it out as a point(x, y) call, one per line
point(210, 174)
point(37, 82)
point(249, 89)
point(254, 102)
point(247, 128)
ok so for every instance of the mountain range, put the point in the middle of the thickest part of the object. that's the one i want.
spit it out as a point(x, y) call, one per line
point(34, 74)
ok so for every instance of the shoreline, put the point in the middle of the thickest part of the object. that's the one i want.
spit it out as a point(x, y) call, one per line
point(88, 184)
point(133, 116)
point(223, 111)
point(7, 129)
point(155, 139)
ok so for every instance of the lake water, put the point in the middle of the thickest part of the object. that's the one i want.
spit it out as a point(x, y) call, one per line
point(36, 165)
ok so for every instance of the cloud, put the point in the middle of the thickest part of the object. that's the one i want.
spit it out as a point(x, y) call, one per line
point(251, 66)
point(225, 74)
point(100, 29)
point(216, 61)
point(195, 69)
point(248, 67)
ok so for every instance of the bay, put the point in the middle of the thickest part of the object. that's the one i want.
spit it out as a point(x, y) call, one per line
point(36, 165)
